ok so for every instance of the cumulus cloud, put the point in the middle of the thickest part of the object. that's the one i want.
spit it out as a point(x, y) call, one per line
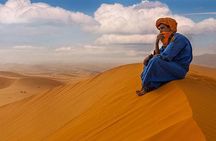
point(23, 11)
point(187, 26)
point(126, 39)
point(120, 24)
point(115, 18)
point(108, 19)
point(205, 26)
point(141, 18)
point(121, 31)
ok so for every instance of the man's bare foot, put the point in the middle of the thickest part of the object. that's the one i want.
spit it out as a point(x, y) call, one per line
point(141, 92)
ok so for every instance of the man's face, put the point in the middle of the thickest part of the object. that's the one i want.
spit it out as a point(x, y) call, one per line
point(164, 28)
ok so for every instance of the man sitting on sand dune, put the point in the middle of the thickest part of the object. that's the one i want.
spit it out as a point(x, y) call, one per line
point(170, 62)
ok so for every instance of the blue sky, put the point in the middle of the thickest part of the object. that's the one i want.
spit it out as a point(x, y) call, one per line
point(105, 30)
point(90, 6)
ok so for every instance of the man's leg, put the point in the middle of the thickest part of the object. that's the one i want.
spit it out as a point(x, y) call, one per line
point(159, 72)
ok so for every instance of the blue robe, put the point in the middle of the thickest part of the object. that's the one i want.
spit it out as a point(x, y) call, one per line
point(171, 64)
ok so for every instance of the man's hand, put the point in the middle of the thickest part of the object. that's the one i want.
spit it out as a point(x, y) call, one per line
point(145, 61)
point(159, 37)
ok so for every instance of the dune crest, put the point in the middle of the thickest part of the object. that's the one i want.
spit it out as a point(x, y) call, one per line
point(105, 107)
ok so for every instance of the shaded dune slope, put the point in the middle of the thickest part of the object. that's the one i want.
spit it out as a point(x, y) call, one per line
point(200, 89)
point(39, 82)
point(5, 82)
point(106, 108)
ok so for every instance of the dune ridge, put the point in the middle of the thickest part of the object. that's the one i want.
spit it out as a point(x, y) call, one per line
point(105, 107)
point(10, 74)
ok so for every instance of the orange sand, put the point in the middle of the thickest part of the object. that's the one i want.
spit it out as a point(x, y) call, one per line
point(14, 86)
point(106, 108)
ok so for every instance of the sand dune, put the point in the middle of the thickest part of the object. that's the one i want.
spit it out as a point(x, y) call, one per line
point(105, 107)
point(5, 82)
point(205, 60)
point(38, 82)
point(15, 87)
point(10, 74)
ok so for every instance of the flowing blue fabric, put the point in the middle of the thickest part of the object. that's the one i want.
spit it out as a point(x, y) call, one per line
point(171, 64)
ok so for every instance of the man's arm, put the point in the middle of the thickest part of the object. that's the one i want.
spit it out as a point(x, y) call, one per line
point(157, 50)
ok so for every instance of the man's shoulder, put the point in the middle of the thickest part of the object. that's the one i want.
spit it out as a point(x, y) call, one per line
point(180, 36)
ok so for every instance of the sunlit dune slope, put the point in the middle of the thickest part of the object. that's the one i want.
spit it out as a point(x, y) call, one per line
point(106, 108)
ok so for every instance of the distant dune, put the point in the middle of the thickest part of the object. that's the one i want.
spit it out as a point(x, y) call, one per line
point(38, 82)
point(106, 108)
point(208, 60)
point(14, 86)
point(5, 82)
point(10, 74)
point(23, 81)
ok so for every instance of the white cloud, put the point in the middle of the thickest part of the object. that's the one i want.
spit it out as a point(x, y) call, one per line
point(23, 11)
point(94, 51)
point(136, 24)
point(185, 25)
point(66, 48)
point(23, 47)
point(93, 47)
point(133, 19)
point(141, 18)
point(126, 39)
point(205, 26)
point(81, 49)
point(120, 30)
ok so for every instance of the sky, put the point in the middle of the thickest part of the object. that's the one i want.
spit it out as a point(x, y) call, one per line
point(69, 31)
